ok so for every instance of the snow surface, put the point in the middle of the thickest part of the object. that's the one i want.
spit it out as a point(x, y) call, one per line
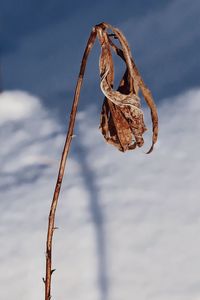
point(128, 223)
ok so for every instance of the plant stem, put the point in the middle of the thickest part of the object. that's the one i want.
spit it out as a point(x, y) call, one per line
point(51, 221)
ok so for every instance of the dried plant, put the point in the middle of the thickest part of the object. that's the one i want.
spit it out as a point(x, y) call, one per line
point(122, 119)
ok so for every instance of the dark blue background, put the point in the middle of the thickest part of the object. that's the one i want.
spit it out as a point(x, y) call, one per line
point(42, 42)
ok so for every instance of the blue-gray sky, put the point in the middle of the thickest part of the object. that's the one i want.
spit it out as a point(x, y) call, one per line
point(42, 44)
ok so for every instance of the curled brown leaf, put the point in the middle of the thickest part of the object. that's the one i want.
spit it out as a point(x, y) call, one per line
point(122, 119)
point(125, 54)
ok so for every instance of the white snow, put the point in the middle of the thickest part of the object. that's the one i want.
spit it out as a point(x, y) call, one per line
point(128, 223)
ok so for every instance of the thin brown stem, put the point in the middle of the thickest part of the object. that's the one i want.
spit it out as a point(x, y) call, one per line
point(63, 160)
point(122, 126)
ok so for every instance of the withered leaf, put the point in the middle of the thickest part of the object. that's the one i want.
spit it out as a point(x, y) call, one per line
point(122, 116)
point(122, 119)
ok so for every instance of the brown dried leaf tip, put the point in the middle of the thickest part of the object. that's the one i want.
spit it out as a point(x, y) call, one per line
point(122, 119)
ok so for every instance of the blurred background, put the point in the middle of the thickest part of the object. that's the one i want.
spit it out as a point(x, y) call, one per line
point(128, 222)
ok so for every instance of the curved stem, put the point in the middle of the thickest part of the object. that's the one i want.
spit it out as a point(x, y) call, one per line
point(63, 160)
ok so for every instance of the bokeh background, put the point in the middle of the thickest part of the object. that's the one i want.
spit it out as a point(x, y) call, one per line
point(128, 223)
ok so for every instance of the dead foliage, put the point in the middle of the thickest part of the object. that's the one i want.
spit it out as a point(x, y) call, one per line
point(122, 119)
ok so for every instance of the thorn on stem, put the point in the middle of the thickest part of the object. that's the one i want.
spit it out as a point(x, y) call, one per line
point(55, 228)
point(43, 280)
point(52, 271)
